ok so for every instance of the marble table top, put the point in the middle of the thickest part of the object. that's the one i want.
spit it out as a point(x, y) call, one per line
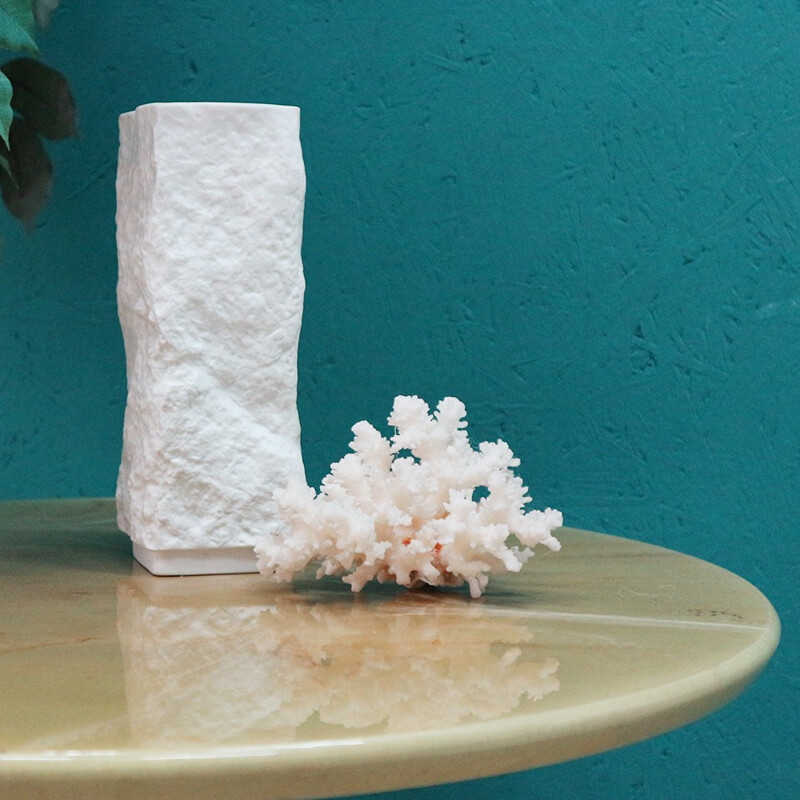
point(115, 683)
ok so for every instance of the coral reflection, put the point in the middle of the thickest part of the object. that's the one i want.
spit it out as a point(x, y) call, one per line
point(219, 658)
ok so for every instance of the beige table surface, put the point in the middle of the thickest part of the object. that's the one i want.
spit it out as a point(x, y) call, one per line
point(118, 684)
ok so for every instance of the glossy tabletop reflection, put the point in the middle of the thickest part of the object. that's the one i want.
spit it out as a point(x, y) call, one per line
point(115, 683)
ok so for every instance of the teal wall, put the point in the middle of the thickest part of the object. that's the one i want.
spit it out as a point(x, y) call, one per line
point(579, 217)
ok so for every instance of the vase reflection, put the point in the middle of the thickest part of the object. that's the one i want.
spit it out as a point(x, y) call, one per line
point(223, 658)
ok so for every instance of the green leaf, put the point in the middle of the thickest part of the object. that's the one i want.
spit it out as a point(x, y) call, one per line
point(5, 165)
point(6, 113)
point(22, 12)
point(16, 25)
point(42, 95)
point(27, 189)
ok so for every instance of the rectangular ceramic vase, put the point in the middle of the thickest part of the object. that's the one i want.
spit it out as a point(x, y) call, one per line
point(209, 228)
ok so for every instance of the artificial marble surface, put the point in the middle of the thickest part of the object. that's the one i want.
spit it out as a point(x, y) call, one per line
point(116, 683)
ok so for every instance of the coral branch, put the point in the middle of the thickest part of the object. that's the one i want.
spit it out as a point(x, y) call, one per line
point(412, 519)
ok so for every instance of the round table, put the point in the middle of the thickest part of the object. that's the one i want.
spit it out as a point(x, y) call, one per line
point(116, 683)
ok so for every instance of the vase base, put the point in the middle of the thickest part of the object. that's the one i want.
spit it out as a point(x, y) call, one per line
point(197, 561)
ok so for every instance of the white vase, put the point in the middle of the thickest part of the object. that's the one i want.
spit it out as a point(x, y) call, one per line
point(209, 229)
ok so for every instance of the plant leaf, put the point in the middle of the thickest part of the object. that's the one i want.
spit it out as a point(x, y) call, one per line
point(6, 113)
point(16, 25)
point(4, 164)
point(27, 189)
point(42, 95)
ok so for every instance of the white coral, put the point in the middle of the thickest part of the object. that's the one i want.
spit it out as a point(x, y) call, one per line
point(412, 519)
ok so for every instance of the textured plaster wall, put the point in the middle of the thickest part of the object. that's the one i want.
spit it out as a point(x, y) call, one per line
point(579, 217)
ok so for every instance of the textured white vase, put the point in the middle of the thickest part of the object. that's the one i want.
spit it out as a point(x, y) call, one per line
point(209, 228)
